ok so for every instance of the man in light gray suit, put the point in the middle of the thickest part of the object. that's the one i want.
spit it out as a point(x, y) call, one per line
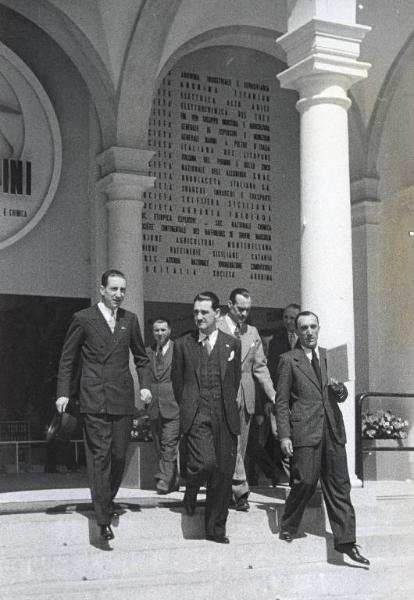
point(253, 369)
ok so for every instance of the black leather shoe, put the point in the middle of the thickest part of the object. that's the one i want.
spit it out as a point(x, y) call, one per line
point(190, 502)
point(106, 532)
point(242, 503)
point(219, 539)
point(286, 536)
point(352, 551)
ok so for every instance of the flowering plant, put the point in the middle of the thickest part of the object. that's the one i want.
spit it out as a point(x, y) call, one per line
point(141, 429)
point(383, 425)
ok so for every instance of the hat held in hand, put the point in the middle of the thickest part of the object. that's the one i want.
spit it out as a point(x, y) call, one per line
point(61, 427)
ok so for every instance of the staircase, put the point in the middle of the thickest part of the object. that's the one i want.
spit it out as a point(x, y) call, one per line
point(159, 552)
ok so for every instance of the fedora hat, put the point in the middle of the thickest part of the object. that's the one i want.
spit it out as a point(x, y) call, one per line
point(61, 427)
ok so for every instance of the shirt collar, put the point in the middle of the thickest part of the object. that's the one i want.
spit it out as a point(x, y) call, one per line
point(164, 349)
point(308, 352)
point(230, 324)
point(107, 313)
point(212, 337)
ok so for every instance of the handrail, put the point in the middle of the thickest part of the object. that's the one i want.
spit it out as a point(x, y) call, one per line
point(18, 443)
point(359, 447)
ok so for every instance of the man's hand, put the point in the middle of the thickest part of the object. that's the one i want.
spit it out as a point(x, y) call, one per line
point(259, 420)
point(61, 404)
point(268, 409)
point(286, 446)
point(146, 396)
point(336, 385)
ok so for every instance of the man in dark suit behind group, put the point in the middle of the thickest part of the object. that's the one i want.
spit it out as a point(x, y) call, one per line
point(163, 409)
point(206, 378)
point(312, 432)
point(101, 337)
point(284, 339)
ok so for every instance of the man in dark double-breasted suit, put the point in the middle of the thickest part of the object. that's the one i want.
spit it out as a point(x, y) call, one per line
point(312, 431)
point(206, 377)
point(101, 337)
point(283, 339)
point(163, 409)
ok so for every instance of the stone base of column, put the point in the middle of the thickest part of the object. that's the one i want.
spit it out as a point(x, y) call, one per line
point(141, 466)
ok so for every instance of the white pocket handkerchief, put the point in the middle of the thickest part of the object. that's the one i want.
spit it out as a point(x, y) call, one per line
point(231, 356)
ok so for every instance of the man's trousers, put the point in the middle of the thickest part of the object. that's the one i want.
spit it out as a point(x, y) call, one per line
point(106, 442)
point(211, 457)
point(328, 462)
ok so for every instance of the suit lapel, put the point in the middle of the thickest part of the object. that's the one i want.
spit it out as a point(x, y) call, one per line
point(223, 350)
point(246, 339)
point(97, 320)
point(166, 361)
point(151, 356)
point(193, 348)
point(305, 366)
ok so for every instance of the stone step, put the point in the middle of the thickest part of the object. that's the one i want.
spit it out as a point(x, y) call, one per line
point(159, 552)
point(48, 559)
point(74, 522)
point(270, 581)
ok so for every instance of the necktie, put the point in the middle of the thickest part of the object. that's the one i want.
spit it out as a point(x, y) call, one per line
point(207, 345)
point(316, 367)
point(237, 331)
point(292, 340)
point(158, 355)
point(112, 322)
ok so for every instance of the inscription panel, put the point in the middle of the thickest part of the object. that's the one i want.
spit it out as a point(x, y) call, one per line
point(207, 224)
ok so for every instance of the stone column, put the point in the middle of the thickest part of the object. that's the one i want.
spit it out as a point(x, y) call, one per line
point(322, 58)
point(124, 181)
point(366, 209)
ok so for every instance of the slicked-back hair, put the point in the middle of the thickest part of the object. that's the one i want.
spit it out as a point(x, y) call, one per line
point(160, 319)
point(292, 305)
point(215, 302)
point(111, 273)
point(238, 292)
point(305, 313)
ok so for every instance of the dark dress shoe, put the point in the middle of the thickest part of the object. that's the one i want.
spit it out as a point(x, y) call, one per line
point(106, 532)
point(242, 503)
point(352, 551)
point(219, 539)
point(286, 536)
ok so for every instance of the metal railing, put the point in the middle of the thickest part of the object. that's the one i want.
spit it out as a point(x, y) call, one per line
point(360, 449)
point(19, 444)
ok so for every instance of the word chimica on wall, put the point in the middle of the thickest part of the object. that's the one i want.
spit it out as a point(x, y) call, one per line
point(209, 214)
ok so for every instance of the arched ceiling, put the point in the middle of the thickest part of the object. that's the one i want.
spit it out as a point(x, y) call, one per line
point(122, 49)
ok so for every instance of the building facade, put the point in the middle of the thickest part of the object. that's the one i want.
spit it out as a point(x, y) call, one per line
point(263, 143)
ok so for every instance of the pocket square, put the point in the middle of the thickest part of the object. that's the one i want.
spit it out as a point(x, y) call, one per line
point(231, 356)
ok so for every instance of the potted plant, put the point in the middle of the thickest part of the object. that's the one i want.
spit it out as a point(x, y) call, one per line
point(383, 425)
point(141, 429)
